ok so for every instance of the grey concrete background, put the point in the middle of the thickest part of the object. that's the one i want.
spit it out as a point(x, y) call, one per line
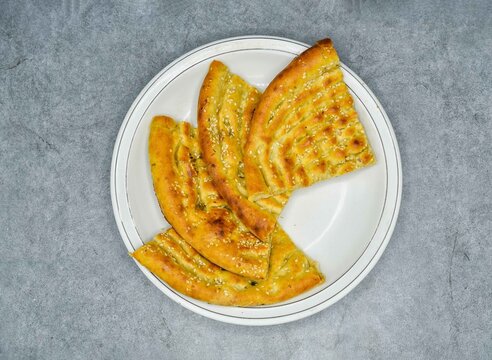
point(69, 71)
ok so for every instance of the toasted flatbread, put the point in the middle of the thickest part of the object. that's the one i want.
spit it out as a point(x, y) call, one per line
point(173, 260)
point(194, 208)
point(225, 107)
point(305, 128)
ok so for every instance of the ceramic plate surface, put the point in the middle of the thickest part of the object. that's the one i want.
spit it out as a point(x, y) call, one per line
point(343, 223)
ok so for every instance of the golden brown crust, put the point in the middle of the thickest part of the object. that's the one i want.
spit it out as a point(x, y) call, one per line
point(193, 207)
point(173, 260)
point(305, 128)
point(225, 108)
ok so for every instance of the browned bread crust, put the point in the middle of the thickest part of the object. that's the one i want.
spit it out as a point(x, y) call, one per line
point(173, 260)
point(193, 207)
point(305, 128)
point(225, 107)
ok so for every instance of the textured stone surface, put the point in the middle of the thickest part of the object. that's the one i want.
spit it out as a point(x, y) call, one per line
point(69, 70)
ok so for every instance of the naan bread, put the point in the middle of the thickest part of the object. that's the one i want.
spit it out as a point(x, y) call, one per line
point(305, 128)
point(225, 107)
point(175, 158)
point(193, 207)
point(173, 260)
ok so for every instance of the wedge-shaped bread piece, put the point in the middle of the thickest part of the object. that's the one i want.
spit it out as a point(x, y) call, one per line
point(305, 127)
point(193, 207)
point(225, 107)
point(173, 260)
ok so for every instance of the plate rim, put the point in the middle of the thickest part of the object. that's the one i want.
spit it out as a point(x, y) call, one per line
point(275, 319)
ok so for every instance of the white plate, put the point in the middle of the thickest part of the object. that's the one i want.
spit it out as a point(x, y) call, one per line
point(344, 224)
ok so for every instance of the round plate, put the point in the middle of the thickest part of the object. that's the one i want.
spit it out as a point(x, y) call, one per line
point(344, 223)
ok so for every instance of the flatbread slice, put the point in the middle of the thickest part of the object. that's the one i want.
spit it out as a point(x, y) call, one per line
point(225, 107)
point(173, 260)
point(305, 127)
point(193, 207)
